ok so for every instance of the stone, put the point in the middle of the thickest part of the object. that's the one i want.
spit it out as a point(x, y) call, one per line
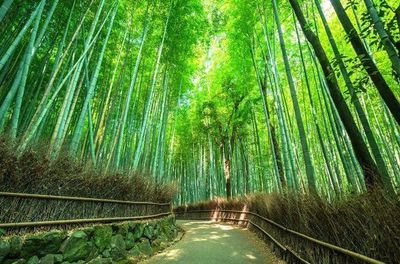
point(123, 229)
point(33, 260)
point(160, 243)
point(164, 245)
point(16, 244)
point(169, 233)
point(102, 236)
point(156, 245)
point(58, 258)
point(4, 249)
point(42, 244)
point(19, 261)
point(118, 248)
point(51, 258)
point(132, 226)
point(134, 252)
point(101, 260)
point(138, 232)
point(145, 247)
point(157, 229)
point(129, 240)
point(89, 231)
point(48, 259)
point(149, 231)
point(159, 246)
point(94, 252)
point(162, 238)
point(76, 247)
point(106, 253)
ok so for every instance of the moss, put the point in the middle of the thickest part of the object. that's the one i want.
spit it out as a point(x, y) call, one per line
point(118, 248)
point(130, 240)
point(138, 232)
point(43, 244)
point(149, 231)
point(145, 247)
point(97, 244)
point(77, 247)
point(16, 244)
point(101, 261)
point(33, 260)
point(4, 249)
point(102, 236)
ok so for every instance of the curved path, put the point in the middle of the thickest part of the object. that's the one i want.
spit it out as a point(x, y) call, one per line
point(211, 242)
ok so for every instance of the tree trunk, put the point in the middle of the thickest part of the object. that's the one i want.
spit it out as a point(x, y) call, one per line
point(92, 86)
point(278, 157)
point(366, 59)
point(17, 40)
point(130, 90)
point(143, 129)
point(4, 8)
point(386, 41)
point(287, 152)
point(303, 139)
point(356, 102)
point(227, 173)
point(372, 176)
point(225, 153)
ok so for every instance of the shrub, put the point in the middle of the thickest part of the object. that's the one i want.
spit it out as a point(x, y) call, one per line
point(33, 173)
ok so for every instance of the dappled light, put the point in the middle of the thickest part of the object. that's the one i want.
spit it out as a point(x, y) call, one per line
point(172, 254)
point(243, 214)
point(251, 256)
point(210, 242)
point(278, 117)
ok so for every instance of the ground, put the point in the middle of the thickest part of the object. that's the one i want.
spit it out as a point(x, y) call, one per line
point(210, 242)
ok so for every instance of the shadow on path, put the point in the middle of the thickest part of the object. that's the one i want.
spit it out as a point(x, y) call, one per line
point(210, 242)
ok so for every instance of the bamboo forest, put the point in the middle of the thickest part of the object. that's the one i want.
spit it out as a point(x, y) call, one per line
point(193, 122)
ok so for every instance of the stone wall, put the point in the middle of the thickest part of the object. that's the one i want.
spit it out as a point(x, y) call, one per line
point(110, 243)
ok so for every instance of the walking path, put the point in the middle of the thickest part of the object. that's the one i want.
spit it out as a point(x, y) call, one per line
point(210, 242)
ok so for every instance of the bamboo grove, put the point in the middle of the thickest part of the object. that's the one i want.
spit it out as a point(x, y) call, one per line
point(222, 98)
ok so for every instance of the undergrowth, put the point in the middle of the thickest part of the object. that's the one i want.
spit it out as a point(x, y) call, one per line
point(33, 172)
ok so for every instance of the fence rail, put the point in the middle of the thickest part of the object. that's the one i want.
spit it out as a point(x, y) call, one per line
point(22, 212)
point(83, 221)
point(82, 199)
point(285, 249)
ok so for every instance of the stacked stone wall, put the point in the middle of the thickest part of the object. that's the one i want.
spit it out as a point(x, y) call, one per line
point(98, 244)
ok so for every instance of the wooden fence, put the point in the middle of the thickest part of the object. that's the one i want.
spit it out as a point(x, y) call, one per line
point(20, 212)
point(295, 247)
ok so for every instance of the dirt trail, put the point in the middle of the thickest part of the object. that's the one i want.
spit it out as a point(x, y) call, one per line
point(210, 242)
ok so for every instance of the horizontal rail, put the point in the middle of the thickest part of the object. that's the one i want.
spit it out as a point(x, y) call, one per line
point(311, 239)
point(282, 247)
point(83, 199)
point(82, 221)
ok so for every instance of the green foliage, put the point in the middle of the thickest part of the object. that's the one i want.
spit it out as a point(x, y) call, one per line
point(210, 78)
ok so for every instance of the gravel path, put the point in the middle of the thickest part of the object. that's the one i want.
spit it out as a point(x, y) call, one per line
point(210, 242)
